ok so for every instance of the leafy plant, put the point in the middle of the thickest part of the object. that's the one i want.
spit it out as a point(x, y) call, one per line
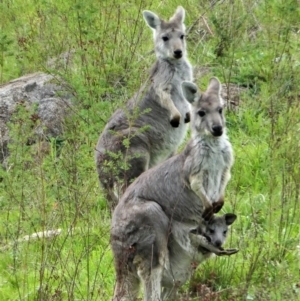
point(100, 51)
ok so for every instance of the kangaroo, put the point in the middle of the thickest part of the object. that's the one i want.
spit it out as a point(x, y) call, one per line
point(172, 199)
point(183, 260)
point(154, 135)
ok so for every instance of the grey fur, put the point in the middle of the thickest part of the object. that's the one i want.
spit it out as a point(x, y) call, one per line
point(182, 259)
point(164, 205)
point(166, 120)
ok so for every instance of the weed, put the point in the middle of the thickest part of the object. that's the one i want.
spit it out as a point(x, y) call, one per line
point(100, 51)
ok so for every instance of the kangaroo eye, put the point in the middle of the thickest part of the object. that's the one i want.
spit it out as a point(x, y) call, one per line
point(201, 113)
point(182, 37)
point(211, 231)
point(165, 39)
point(220, 110)
point(224, 232)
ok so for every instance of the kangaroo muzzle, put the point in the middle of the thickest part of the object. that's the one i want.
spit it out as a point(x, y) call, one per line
point(177, 53)
point(217, 130)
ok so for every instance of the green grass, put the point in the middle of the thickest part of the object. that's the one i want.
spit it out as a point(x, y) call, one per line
point(250, 43)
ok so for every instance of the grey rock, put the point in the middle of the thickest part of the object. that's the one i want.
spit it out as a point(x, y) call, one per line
point(40, 91)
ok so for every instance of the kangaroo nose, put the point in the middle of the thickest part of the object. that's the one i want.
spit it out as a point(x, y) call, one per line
point(177, 53)
point(217, 130)
point(218, 243)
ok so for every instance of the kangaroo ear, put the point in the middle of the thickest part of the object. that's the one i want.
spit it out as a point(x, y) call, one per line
point(179, 15)
point(229, 218)
point(152, 20)
point(214, 85)
point(190, 91)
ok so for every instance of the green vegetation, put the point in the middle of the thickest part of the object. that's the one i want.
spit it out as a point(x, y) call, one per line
point(252, 43)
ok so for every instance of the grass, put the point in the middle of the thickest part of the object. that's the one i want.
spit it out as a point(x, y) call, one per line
point(251, 43)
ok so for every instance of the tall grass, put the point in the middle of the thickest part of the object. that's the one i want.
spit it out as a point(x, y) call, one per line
point(101, 51)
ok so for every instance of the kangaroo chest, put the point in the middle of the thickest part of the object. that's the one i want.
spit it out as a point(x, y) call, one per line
point(214, 165)
point(170, 137)
point(212, 177)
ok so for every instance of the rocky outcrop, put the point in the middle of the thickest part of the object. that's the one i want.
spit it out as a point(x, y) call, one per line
point(40, 94)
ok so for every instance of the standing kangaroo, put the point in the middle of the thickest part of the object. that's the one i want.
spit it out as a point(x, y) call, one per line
point(169, 200)
point(154, 135)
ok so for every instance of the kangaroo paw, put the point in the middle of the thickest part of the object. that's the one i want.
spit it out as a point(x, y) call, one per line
point(203, 244)
point(227, 252)
point(208, 213)
point(217, 206)
point(187, 118)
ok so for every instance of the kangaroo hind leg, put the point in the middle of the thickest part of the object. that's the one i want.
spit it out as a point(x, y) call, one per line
point(153, 258)
point(127, 287)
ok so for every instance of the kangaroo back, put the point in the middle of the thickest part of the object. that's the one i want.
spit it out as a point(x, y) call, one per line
point(131, 144)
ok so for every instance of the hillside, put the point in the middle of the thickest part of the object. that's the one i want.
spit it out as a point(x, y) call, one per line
point(101, 53)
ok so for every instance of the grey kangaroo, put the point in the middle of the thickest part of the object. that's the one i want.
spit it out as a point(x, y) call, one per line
point(182, 259)
point(154, 136)
point(167, 202)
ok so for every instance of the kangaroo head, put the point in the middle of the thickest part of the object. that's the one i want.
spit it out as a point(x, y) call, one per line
point(217, 227)
point(169, 36)
point(207, 117)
